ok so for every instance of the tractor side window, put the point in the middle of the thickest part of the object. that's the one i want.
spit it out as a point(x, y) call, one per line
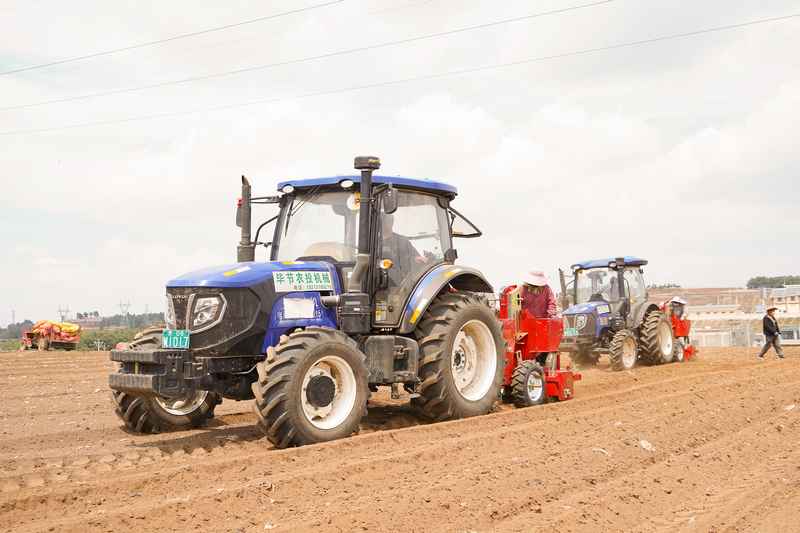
point(414, 238)
point(635, 284)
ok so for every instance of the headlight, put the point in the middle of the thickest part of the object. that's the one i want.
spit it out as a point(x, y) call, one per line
point(207, 311)
point(580, 322)
point(169, 314)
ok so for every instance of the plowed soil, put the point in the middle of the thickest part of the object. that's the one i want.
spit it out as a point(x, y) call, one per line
point(708, 445)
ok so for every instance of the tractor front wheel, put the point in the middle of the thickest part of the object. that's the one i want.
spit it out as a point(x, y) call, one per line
point(623, 350)
point(528, 385)
point(311, 388)
point(461, 357)
point(153, 414)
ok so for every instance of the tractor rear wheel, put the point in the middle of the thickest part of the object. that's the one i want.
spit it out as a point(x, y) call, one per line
point(656, 338)
point(623, 350)
point(461, 357)
point(311, 388)
point(153, 414)
point(528, 385)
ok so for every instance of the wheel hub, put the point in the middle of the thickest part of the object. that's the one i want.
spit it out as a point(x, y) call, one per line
point(473, 360)
point(535, 387)
point(329, 390)
point(183, 406)
point(320, 391)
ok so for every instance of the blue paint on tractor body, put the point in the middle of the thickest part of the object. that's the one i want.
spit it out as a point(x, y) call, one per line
point(399, 181)
point(601, 263)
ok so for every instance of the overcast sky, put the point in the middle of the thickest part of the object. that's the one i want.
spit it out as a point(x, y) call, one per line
point(684, 152)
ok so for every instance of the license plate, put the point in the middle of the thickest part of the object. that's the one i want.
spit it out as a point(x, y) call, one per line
point(175, 339)
point(570, 332)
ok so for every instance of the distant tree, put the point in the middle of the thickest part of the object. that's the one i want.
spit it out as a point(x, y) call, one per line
point(772, 282)
point(664, 286)
point(14, 331)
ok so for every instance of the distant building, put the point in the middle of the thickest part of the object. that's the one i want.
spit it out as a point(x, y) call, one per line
point(787, 299)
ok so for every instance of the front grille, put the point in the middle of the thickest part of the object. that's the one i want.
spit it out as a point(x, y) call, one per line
point(582, 322)
point(181, 297)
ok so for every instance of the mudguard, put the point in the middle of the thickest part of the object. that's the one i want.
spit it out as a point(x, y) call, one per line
point(641, 311)
point(460, 277)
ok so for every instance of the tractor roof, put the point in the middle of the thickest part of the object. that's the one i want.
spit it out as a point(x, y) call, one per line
point(600, 263)
point(435, 187)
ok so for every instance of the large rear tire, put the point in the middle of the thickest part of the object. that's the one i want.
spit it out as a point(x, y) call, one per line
point(461, 357)
point(656, 338)
point(623, 350)
point(528, 384)
point(311, 388)
point(154, 414)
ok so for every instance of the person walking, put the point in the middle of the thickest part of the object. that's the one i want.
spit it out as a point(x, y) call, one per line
point(772, 334)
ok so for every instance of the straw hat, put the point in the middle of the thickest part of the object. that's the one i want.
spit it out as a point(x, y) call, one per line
point(535, 278)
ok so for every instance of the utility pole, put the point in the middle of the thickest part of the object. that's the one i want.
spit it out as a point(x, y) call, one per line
point(13, 317)
point(63, 312)
point(123, 307)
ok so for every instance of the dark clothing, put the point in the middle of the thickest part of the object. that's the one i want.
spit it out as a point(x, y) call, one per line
point(774, 342)
point(772, 336)
point(771, 328)
point(402, 254)
point(541, 304)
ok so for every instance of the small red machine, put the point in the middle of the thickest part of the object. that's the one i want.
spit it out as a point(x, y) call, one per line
point(675, 309)
point(533, 372)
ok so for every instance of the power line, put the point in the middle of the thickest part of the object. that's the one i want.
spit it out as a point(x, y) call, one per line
point(387, 83)
point(169, 39)
point(305, 59)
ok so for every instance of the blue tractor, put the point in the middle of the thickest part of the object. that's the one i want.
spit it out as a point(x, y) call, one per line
point(607, 311)
point(361, 290)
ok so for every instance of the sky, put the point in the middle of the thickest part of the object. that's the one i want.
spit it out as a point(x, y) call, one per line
point(680, 151)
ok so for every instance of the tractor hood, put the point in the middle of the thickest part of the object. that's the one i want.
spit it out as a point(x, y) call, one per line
point(288, 276)
point(588, 308)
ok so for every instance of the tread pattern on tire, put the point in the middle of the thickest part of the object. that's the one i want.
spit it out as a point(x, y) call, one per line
point(519, 383)
point(615, 348)
point(136, 411)
point(648, 334)
point(431, 333)
point(274, 375)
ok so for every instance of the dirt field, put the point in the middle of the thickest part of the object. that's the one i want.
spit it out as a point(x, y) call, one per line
point(723, 433)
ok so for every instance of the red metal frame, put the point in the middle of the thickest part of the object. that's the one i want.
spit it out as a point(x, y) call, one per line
point(526, 337)
point(681, 327)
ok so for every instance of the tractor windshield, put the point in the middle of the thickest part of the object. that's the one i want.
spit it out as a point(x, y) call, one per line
point(319, 224)
point(595, 285)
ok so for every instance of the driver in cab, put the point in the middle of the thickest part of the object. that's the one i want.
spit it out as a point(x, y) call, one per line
point(398, 248)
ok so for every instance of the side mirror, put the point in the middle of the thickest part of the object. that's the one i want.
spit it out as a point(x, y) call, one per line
point(390, 200)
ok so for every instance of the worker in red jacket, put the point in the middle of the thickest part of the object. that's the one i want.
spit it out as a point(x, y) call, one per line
point(537, 296)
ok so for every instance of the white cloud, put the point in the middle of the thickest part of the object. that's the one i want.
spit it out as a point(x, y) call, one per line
point(683, 152)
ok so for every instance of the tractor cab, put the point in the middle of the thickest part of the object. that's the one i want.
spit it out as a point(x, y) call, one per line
point(410, 232)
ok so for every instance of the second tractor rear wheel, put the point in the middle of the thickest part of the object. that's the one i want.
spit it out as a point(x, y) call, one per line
point(657, 340)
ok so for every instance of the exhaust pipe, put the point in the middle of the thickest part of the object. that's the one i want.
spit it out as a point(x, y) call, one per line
point(246, 251)
point(366, 164)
